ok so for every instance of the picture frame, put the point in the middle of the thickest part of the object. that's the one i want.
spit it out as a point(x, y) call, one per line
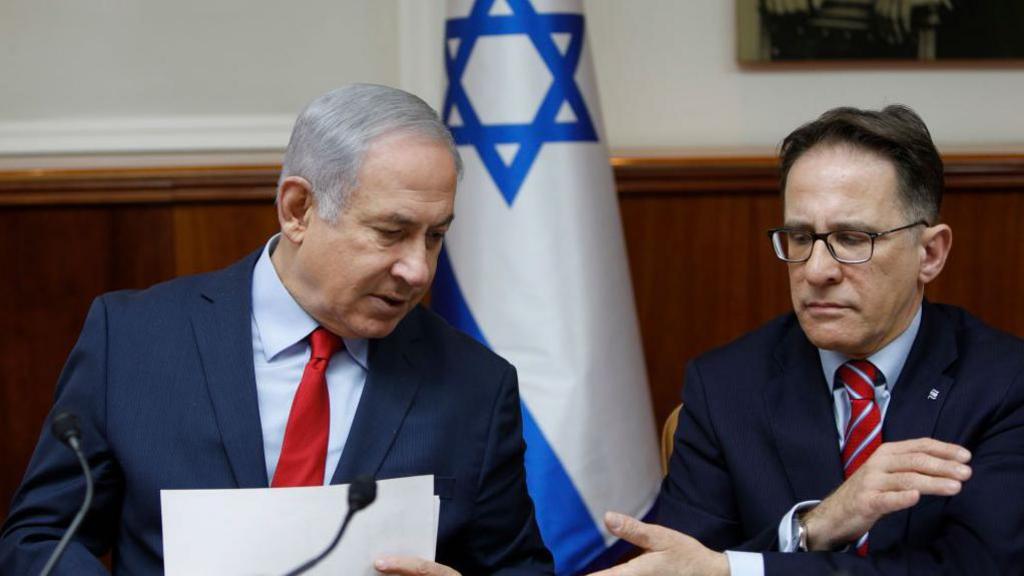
point(881, 31)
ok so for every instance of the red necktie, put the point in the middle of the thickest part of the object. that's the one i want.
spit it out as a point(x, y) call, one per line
point(304, 451)
point(864, 430)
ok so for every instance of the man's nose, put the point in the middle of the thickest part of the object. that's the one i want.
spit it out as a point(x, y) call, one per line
point(414, 265)
point(821, 268)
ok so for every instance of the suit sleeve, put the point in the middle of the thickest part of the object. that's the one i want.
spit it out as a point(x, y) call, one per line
point(53, 488)
point(505, 538)
point(982, 531)
point(697, 494)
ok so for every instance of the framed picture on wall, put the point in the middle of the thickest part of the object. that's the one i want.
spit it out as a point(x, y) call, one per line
point(879, 30)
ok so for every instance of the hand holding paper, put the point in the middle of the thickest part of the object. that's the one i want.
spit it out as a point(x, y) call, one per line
point(271, 531)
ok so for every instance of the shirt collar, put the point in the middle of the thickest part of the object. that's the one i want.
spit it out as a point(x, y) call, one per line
point(280, 321)
point(888, 360)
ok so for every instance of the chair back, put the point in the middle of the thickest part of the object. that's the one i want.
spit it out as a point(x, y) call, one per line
point(668, 433)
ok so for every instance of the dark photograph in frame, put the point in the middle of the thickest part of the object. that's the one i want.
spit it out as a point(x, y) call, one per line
point(880, 30)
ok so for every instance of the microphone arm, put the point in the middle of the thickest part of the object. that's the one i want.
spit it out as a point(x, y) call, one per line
point(65, 428)
point(361, 493)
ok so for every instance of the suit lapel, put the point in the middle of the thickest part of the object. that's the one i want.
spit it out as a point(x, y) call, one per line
point(221, 320)
point(389, 392)
point(917, 399)
point(803, 420)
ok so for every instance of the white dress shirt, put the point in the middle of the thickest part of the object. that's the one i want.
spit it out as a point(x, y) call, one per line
point(889, 361)
point(280, 351)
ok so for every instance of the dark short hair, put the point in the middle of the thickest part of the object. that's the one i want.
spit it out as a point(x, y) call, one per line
point(895, 133)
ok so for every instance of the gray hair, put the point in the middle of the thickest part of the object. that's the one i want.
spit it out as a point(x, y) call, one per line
point(333, 133)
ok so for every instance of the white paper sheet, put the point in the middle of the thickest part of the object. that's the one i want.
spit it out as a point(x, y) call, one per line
point(264, 531)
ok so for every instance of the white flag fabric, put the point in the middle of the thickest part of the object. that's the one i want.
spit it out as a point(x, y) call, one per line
point(535, 266)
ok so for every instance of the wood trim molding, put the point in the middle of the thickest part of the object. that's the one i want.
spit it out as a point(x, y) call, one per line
point(647, 175)
point(655, 175)
point(165, 185)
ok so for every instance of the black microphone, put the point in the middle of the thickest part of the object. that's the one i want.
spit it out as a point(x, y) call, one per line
point(361, 493)
point(65, 428)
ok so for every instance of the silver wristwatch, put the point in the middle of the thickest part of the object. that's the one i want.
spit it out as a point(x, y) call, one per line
point(801, 533)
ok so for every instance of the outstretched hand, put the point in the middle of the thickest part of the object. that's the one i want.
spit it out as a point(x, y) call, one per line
point(666, 552)
point(410, 566)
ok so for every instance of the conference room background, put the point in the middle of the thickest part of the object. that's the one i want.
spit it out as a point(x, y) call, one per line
point(141, 141)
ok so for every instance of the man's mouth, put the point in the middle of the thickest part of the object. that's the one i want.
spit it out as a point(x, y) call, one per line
point(824, 307)
point(823, 304)
point(391, 301)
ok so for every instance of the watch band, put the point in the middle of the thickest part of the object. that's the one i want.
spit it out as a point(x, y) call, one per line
point(801, 533)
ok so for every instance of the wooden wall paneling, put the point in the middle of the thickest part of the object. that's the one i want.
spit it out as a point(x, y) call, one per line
point(985, 270)
point(703, 272)
point(57, 260)
point(700, 276)
point(688, 303)
point(72, 235)
point(211, 236)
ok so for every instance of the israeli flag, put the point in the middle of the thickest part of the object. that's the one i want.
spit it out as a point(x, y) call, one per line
point(535, 266)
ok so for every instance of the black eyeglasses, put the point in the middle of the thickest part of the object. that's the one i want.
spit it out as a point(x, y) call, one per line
point(846, 246)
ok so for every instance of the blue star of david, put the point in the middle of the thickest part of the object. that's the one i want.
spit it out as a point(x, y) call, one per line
point(530, 137)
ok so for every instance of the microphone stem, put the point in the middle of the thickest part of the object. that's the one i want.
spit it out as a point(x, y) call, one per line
point(330, 547)
point(59, 551)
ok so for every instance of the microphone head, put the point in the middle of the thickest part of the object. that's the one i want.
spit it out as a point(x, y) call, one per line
point(361, 493)
point(65, 426)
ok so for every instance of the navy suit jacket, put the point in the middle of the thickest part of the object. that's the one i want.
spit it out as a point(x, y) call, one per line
point(757, 435)
point(164, 385)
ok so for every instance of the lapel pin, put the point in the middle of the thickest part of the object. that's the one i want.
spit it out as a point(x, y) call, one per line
point(933, 394)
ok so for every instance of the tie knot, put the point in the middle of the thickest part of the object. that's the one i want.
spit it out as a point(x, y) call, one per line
point(859, 377)
point(323, 344)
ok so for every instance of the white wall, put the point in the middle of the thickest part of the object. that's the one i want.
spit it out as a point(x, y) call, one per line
point(668, 76)
point(154, 75)
point(84, 75)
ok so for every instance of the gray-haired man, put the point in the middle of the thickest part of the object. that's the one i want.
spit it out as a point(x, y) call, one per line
point(308, 362)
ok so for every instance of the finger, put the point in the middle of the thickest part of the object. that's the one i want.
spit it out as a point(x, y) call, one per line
point(646, 536)
point(931, 446)
point(639, 566)
point(912, 481)
point(889, 502)
point(925, 463)
point(411, 566)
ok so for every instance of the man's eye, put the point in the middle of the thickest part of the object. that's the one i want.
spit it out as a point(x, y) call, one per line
point(851, 238)
point(389, 232)
point(800, 238)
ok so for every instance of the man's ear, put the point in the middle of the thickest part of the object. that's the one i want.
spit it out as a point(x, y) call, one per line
point(294, 207)
point(936, 242)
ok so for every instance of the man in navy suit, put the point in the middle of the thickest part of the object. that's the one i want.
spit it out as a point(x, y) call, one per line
point(308, 362)
point(870, 431)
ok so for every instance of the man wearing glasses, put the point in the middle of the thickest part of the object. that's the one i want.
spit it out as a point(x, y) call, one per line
point(870, 431)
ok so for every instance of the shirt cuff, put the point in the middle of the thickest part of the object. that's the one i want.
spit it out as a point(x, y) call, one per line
point(745, 563)
point(788, 541)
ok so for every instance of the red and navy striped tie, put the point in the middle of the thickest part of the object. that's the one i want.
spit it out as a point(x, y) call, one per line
point(864, 430)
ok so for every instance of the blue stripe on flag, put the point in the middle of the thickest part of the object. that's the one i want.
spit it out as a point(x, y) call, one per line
point(565, 523)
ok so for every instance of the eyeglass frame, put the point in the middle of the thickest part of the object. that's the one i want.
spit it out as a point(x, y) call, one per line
point(823, 236)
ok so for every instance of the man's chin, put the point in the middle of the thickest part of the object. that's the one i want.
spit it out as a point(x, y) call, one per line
point(376, 328)
point(826, 334)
